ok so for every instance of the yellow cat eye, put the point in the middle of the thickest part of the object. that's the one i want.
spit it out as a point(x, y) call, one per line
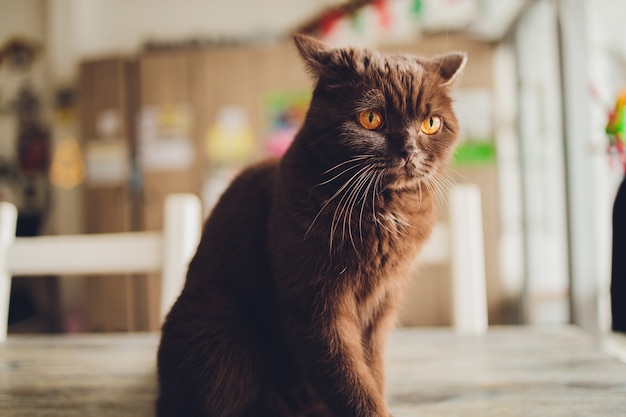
point(371, 119)
point(432, 125)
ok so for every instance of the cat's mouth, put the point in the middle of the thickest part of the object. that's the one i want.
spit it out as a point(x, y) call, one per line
point(408, 173)
point(412, 167)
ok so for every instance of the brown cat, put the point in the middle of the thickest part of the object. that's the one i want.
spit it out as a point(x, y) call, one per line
point(296, 280)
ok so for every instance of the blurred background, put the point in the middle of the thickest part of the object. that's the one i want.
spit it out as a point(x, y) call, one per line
point(108, 106)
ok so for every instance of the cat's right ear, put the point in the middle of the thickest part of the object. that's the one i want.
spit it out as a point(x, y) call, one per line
point(316, 54)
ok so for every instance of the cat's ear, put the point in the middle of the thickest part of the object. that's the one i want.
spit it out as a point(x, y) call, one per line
point(316, 54)
point(449, 66)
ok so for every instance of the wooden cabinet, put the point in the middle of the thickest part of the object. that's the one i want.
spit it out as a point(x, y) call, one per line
point(108, 102)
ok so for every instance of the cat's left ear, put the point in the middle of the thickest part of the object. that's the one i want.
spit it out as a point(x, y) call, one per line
point(315, 53)
point(449, 66)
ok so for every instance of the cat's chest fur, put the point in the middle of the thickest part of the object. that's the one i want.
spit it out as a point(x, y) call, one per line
point(363, 256)
point(377, 260)
point(372, 237)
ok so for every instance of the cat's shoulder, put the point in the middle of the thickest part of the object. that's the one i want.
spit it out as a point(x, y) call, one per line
point(249, 192)
point(256, 179)
point(260, 171)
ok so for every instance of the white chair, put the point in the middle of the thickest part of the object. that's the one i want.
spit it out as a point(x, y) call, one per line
point(461, 242)
point(167, 252)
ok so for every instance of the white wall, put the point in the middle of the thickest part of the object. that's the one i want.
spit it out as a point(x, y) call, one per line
point(511, 254)
point(543, 171)
point(121, 25)
point(594, 55)
point(84, 28)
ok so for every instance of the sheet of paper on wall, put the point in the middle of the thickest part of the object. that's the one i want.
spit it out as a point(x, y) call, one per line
point(165, 142)
point(107, 162)
point(229, 140)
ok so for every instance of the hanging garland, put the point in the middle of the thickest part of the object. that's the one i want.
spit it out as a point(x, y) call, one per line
point(332, 15)
point(328, 21)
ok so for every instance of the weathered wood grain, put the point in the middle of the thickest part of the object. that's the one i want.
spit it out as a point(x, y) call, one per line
point(509, 372)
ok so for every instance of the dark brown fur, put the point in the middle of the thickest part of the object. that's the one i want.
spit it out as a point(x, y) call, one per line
point(297, 277)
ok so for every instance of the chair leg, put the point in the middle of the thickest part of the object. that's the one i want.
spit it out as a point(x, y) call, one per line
point(181, 234)
point(8, 224)
point(5, 291)
point(468, 260)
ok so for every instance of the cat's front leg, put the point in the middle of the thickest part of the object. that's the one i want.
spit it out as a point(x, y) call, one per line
point(375, 338)
point(337, 364)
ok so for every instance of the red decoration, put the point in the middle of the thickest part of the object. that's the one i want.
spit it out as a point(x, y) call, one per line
point(329, 21)
point(384, 15)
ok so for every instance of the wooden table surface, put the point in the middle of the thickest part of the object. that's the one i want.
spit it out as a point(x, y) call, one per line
point(510, 371)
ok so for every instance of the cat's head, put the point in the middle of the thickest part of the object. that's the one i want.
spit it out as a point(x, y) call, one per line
point(391, 113)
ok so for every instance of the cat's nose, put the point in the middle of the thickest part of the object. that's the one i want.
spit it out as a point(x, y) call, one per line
point(409, 152)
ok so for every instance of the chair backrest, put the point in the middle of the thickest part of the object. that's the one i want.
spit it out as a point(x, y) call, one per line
point(461, 242)
point(167, 252)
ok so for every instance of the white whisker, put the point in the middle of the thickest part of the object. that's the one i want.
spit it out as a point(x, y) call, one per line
point(440, 185)
point(350, 184)
point(346, 210)
point(354, 201)
point(356, 158)
point(338, 175)
point(369, 186)
point(419, 186)
point(375, 193)
point(328, 202)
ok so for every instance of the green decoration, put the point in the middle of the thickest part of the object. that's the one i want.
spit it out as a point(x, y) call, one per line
point(356, 21)
point(473, 153)
point(616, 126)
point(417, 8)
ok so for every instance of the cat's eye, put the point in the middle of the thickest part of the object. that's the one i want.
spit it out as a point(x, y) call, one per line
point(371, 119)
point(432, 125)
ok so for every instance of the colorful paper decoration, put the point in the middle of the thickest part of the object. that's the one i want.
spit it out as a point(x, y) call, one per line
point(230, 139)
point(285, 112)
point(616, 125)
point(616, 128)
